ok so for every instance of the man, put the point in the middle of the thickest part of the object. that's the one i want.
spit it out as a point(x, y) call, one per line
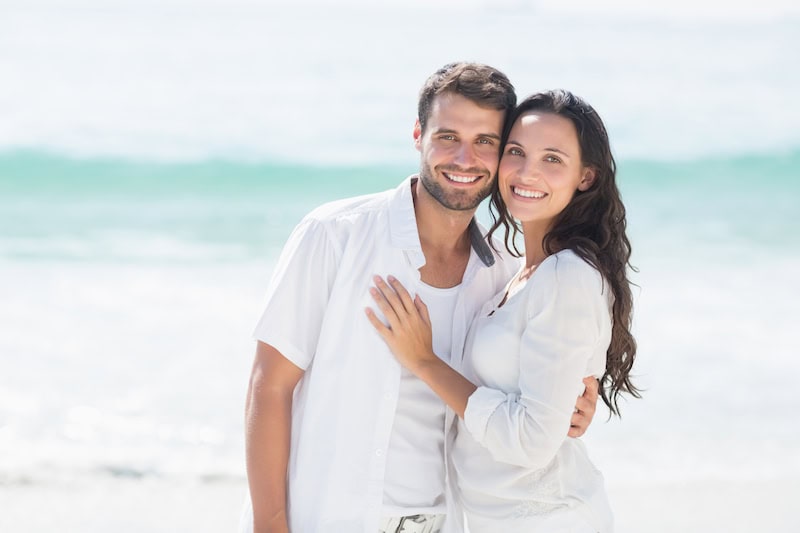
point(339, 437)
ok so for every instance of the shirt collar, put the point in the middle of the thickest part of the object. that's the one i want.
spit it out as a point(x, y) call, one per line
point(405, 234)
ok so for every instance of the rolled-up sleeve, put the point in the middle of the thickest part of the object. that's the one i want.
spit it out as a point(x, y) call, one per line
point(565, 339)
point(298, 293)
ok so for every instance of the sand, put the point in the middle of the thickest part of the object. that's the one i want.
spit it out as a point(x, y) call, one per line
point(155, 505)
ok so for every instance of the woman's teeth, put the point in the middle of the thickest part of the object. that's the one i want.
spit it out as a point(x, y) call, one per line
point(528, 194)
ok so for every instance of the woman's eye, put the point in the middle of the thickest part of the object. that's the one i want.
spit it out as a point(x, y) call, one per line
point(514, 151)
point(552, 159)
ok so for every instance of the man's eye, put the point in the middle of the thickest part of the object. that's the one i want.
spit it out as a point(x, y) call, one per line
point(485, 141)
point(448, 137)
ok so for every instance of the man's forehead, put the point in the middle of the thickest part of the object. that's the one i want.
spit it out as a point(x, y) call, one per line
point(453, 108)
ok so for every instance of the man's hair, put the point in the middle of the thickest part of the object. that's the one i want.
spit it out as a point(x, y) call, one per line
point(484, 85)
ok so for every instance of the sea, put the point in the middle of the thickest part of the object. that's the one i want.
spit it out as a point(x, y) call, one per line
point(154, 157)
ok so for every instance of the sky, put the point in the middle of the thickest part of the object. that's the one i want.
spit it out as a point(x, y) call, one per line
point(337, 82)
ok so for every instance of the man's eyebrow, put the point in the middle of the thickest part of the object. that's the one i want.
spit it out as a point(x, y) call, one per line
point(448, 130)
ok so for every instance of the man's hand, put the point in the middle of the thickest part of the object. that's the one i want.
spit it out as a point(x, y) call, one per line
point(584, 408)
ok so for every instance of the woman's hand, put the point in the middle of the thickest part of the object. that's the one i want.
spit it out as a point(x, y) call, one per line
point(408, 334)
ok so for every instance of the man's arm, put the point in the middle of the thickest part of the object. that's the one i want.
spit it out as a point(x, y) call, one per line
point(268, 422)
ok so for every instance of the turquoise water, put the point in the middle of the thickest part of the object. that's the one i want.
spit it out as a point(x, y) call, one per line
point(228, 210)
point(748, 201)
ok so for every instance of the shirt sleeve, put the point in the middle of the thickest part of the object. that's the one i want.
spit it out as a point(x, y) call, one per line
point(298, 293)
point(568, 325)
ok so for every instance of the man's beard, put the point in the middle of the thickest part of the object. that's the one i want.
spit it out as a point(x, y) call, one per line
point(454, 199)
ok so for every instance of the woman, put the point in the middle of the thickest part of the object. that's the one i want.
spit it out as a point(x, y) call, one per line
point(565, 315)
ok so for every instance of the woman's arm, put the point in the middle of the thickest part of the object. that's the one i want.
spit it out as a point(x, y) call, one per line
point(409, 336)
point(565, 337)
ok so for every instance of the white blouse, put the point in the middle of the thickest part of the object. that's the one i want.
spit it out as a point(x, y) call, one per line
point(516, 468)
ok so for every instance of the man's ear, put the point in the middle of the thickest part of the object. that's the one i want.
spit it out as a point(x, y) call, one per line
point(587, 180)
point(417, 135)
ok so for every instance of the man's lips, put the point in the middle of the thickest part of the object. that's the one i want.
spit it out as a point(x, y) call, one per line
point(461, 178)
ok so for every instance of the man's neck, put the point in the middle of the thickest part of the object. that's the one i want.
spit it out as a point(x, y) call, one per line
point(444, 238)
point(442, 230)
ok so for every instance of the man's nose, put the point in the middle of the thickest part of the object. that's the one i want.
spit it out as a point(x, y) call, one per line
point(466, 155)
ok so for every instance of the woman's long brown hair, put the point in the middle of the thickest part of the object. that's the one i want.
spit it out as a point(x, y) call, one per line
point(592, 225)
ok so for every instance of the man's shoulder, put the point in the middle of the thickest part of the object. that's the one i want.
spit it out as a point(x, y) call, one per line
point(350, 209)
point(506, 264)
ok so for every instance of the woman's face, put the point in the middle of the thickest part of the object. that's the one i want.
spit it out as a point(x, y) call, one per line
point(541, 167)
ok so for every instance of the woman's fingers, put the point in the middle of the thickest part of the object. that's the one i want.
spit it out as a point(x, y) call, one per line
point(385, 306)
point(391, 296)
point(402, 293)
point(423, 309)
point(396, 302)
point(379, 326)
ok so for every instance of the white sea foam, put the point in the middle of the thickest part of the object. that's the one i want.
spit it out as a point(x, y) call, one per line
point(124, 368)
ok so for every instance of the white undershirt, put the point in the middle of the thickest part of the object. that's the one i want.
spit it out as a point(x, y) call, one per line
point(415, 474)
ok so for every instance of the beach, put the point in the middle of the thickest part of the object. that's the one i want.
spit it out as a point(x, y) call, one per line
point(154, 158)
point(164, 506)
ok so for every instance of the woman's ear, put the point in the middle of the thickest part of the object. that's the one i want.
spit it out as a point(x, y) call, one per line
point(587, 180)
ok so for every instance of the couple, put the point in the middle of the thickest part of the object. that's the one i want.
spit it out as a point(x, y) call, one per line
point(456, 395)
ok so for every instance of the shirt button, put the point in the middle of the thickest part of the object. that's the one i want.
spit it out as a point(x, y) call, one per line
point(378, 453)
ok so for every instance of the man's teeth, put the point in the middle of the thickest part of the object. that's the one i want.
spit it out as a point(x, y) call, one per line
point(462, 179)
point(528, 194)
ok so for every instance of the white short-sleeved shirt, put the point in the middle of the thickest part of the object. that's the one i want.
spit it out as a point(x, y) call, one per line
point(345, 403)
point(517, 469)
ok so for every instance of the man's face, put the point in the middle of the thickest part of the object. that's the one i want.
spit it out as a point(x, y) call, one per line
point(460, 151)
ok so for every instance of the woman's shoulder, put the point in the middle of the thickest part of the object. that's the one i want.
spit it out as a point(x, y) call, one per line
point(567, 270)
point(567, 263)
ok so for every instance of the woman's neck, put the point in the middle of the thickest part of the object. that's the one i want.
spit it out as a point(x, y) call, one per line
point(534, 234)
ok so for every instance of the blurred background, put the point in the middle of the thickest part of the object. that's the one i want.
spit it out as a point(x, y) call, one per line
point(155, 155)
